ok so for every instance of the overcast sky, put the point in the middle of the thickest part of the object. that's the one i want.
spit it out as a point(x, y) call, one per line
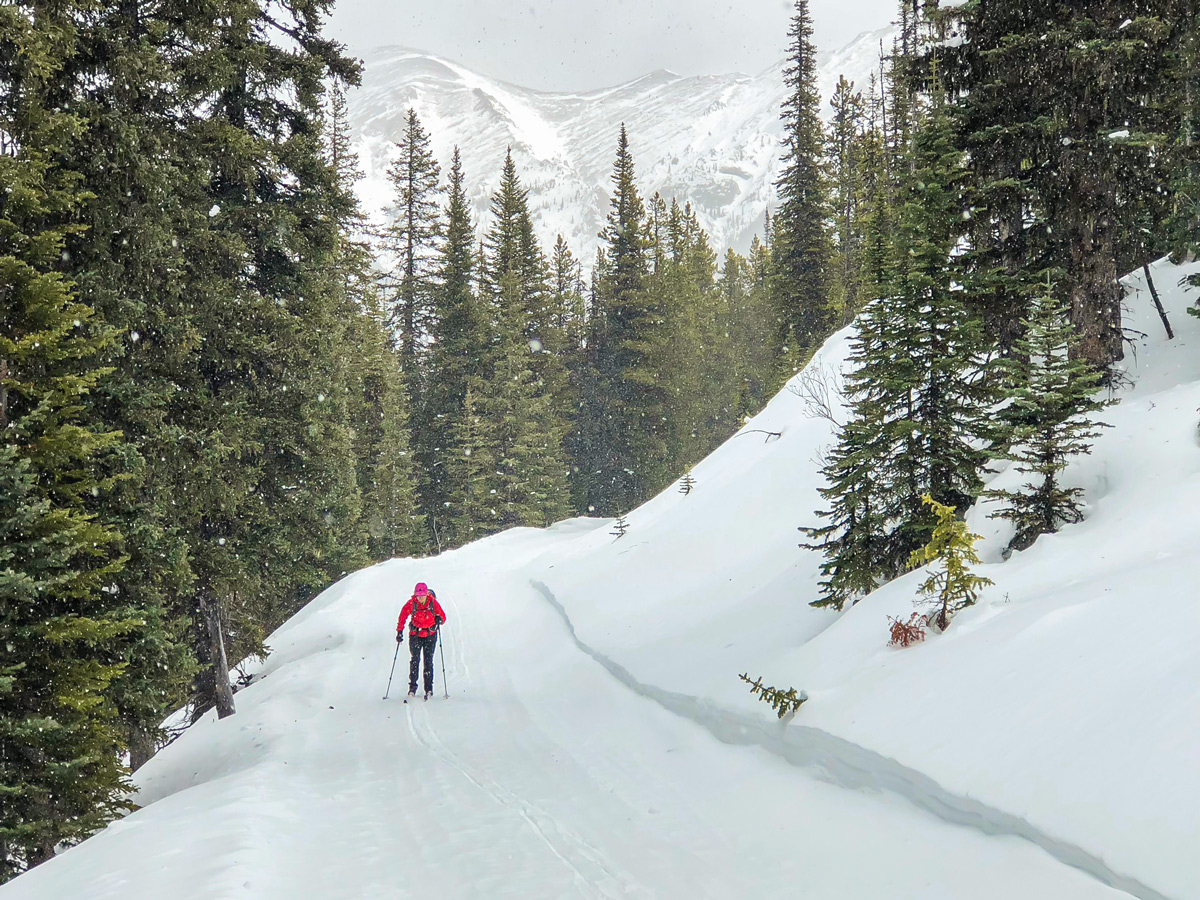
point(571, 45)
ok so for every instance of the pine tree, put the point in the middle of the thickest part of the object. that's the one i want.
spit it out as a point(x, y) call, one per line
point(625, 432)
point(459, 357)
point(801, 246)
point(525, 399)
point(125, 263)
point(1047, 421)
point(273, 513)
point(876, 204)
point(916, 392)
point(412, 239)
point(377, 402)
point(567, 296)
point(1055, 111)
point(846, 181)
point(1184, 238)
point(747, 333)
point(952, 546)
point(379, 417)
point(472, 508)
point(62, 629)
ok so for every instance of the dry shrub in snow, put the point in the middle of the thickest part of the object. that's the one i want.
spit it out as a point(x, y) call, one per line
point(905, 634)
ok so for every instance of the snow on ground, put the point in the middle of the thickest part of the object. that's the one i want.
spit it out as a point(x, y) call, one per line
point(597, 743)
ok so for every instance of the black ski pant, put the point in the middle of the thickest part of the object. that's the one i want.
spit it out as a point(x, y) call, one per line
point(416, 645)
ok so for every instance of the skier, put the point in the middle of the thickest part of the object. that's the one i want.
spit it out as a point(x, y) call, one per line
point(427, 617)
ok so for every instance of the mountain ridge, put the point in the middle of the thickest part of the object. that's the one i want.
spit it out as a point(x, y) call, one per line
point(709, 140)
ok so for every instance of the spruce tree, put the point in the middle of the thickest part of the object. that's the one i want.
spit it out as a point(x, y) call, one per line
point(377, 401)
point(378, 409)
point(1055, 108)
point(63, 629)
point(567, 296)
point(1184, 235)
point(125, 263)
point(916, 392)
point(624, 434)
point(951, 546)
point(273, 511)
point(1051, 394)
point(472, 506)
point(412, 239)
point(525, 399)
point(801, 246)
point(846, 166)
point(459, 358)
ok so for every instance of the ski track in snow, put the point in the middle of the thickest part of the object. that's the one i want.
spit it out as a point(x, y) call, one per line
point(593, 873)
point(854, 767)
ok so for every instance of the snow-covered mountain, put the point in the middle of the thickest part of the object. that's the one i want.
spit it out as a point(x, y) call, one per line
point(596, 741)
point(712, 140)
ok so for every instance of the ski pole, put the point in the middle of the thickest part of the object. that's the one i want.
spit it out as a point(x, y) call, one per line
point(442, 654)
point(393, 672)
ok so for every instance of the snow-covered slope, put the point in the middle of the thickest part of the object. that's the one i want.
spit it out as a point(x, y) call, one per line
point(597, 743)
point(712, 140)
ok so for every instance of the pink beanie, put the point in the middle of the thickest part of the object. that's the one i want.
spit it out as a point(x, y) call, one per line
point(421, 589)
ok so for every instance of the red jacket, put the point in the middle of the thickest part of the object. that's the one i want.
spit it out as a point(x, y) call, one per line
point(425, 617)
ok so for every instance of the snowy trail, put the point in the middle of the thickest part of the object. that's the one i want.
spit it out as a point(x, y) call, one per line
point(541, 776)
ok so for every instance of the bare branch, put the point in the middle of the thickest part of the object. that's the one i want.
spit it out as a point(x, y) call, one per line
point(821, 390)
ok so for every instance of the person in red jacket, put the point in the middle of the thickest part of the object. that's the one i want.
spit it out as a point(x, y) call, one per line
point(427, 617)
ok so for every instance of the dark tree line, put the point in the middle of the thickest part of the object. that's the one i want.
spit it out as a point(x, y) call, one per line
point(536, 395)
point(201, 417)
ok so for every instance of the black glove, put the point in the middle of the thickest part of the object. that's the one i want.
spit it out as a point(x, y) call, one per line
point(399, 637)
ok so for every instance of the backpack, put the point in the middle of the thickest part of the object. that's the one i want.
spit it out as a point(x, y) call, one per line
point(424, 631)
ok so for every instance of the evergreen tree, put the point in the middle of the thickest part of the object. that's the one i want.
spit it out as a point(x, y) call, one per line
point(876, 204)
point(1184, 218)
point(955, 587)
point(273, 512)
point(379, 419)
point(63, 630)
point(524, 399)
point(459, 358)
point(1047, 421)
point(800, 241)
point(624, 434)
point(125, 263)
point(1055, 111)
point(377, 402)
point(916, 394)
point(472, 512)
point(412, 240)
point(846, 165)
point(567, 296)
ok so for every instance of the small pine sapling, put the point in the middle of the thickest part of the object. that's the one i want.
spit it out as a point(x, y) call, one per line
point(619, 528)
point(783, 702)
point(686, 483)
point(954, 587)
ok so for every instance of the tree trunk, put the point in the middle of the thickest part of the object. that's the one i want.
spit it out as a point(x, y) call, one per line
point(1096, 295)
point(3, 393)
point(215, 679)
point(142, 747)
